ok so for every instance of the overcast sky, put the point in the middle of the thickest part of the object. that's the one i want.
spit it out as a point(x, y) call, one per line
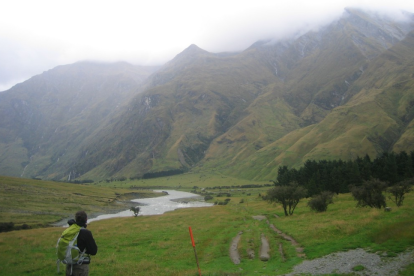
point(36, 36)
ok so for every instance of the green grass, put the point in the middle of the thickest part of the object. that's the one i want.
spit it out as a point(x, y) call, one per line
point(184, 181)
point(38, 203)
point(358, 268)
point(409, 270)
point(161, 245)
point(344, 226)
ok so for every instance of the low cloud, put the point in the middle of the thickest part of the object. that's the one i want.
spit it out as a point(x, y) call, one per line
point(36, 36)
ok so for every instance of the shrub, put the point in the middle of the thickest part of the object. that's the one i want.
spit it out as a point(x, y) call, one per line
point(25, 226)
point(319, 203)
point(6, 226)
point(370, 194)
point(208, 197)
point(398, 191)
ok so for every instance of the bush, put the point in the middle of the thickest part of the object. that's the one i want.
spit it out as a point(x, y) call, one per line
point(319, 203)
point(225, 202)
point(370, 194)
point(208, 197)
point(6, 226)
point(25, 226)
point(398, 191)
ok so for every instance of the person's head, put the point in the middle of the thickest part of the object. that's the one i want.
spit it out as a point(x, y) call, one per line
point(81, 218)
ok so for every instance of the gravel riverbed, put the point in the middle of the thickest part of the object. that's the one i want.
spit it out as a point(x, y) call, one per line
point(345, 262)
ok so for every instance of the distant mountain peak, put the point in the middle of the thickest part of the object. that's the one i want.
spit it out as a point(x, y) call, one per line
point(191, 51)
point(189, 55)
point(193, 48)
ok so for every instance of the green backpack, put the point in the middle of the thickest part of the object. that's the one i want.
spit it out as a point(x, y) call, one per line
point(67, 250)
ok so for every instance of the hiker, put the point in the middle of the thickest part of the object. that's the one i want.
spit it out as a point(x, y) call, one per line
point(85, 241)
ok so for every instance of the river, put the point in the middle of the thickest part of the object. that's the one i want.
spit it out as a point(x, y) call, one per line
point(158, 205)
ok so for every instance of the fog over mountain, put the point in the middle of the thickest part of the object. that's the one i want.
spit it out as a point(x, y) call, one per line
point(341, 90)
point(38, 36)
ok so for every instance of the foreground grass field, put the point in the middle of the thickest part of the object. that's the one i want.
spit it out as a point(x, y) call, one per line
point(161, 245)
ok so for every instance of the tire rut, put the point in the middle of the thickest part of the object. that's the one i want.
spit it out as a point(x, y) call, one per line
point(265, 247)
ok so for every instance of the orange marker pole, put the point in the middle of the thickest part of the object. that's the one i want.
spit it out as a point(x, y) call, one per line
point(195, 252)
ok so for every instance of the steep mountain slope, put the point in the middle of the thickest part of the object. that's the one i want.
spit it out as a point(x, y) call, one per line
point(193, 99)
point(45, 119)
point(378, 118)
point(338, 92)
point(323, 67)
point(215, 112)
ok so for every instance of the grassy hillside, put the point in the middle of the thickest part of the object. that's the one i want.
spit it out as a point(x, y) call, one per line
point(161, 245)
point(194, 98)
point(377, 118)
point(40, 203)
point(45, 120)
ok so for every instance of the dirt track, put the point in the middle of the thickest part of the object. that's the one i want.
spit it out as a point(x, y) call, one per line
point(335, 263)
point(264, 249)
point(234, 253)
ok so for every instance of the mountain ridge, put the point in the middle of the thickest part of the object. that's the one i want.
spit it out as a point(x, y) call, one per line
point(242, 114)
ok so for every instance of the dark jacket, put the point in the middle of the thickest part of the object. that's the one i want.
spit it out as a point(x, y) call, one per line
point(86, 240)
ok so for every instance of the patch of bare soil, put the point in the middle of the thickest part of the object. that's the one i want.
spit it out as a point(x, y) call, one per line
point(264, 249)
point(234, 253)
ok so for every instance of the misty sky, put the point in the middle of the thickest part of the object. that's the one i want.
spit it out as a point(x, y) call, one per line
point(36, 36)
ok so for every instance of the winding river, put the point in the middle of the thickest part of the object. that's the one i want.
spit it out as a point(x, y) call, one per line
point(158, 205)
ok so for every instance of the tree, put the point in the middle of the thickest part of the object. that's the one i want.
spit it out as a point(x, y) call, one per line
point(319, 203)
point(354, 175)
point(135, 209)
point(370, 194)
point(288, 195)
point(364, 165)
point(338, 184)
point(398, 191)
point(284, 176)
point(404, 166)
